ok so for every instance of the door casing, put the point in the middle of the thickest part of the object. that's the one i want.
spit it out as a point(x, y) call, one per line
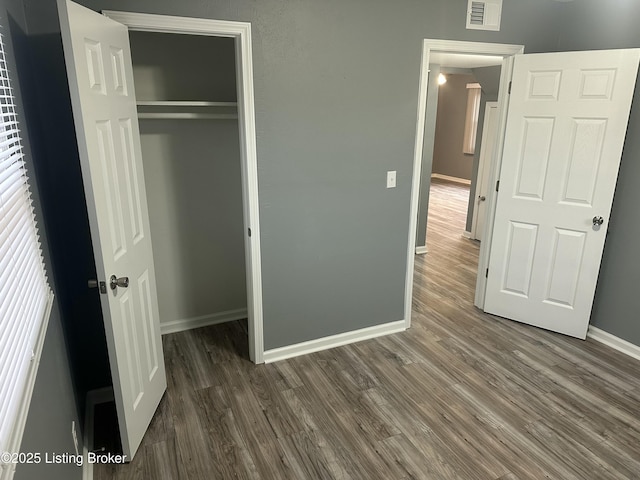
point(452, 46)
point(241, 32)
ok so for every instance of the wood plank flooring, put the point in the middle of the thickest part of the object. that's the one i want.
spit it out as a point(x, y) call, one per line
point(461, 395)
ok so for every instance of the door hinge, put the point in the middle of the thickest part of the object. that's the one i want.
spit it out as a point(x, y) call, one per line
point(249, 231)
point(486, 273)
point(497, 185)
point(510, 83)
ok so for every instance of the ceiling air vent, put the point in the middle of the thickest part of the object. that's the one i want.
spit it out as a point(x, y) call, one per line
point(484, 14)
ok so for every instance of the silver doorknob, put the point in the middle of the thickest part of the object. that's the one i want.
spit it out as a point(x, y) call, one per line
point(597, 221)
point(482, 198)
point(118, 282)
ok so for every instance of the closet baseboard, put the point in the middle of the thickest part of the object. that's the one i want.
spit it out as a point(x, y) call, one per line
point(202, 321)
point(332, 341)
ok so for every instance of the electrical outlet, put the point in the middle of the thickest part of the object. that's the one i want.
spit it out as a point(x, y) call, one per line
point(391, 179)
point(74, 434)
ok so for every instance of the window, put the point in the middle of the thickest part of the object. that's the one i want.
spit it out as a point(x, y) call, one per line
point(471, 118)
point(25, 296)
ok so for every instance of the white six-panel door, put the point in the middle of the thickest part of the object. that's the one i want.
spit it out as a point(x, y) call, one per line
point(101, 84)
point(567, 120)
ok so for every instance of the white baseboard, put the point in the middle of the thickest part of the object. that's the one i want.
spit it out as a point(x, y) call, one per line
point(614, 342)
point(451, 179)
point(421, 250)
point(202, 321)
point(467, 234)
point(94, 397)
point(332, 341)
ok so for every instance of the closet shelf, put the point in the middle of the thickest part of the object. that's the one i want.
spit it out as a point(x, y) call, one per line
point(183, 103)
point(187, 116)
point(186, 110)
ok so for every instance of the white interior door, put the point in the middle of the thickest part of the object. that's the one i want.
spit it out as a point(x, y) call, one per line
point(101, 85)
point(567, 120)
point(487, 148)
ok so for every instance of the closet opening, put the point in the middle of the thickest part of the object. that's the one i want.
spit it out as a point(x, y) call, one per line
point(194, 89)
point(189, 133)
point(191, 126)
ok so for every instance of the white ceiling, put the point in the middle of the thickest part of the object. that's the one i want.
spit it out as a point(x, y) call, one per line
point(463, 60)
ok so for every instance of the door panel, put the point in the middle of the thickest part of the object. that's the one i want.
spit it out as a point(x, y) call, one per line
point(519, 260)
point(564, 269)
point(101, 84)
point(533, 157)
point(586, 152)
point(566, 125)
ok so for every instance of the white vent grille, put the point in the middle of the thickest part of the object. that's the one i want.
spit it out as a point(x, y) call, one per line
point(484, 14)
point(477, 13)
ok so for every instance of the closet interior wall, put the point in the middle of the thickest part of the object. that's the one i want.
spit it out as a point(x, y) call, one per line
point(186, 93)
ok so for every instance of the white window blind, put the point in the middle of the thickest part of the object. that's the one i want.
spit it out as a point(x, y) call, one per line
point(25, 296)
point(471, 118)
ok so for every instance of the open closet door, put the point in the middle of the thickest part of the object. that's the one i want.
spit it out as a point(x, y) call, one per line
point(100, 75)
point(566, 126)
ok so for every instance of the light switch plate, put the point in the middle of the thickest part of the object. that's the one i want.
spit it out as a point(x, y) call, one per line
point(391, 179)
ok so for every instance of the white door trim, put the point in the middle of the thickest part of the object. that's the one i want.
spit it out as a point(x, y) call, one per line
point(494, 175)
point(241, 31)
point(451, 46)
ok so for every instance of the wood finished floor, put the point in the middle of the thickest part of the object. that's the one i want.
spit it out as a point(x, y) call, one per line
point(461, 395)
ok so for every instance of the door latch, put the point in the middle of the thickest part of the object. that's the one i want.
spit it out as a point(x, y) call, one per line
point(96, 284)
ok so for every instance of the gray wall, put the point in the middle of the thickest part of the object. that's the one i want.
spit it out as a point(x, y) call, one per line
point(590, 24)
point(489, 80)
point(192, 176)
point(336, 86)
point(431, 115)
point(448, 157)
point(183, 67)
point(53, 405)
point(51, 412)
